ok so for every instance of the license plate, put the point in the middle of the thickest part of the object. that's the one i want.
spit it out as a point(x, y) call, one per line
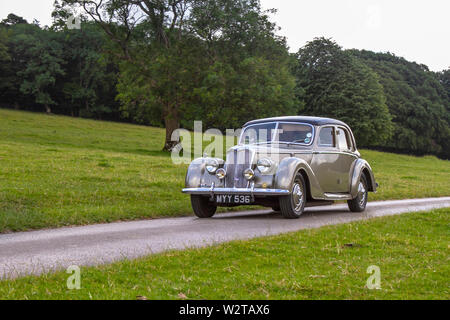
point(233, 199)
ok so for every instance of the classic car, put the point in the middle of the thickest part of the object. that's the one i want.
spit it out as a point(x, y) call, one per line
point(285, 163)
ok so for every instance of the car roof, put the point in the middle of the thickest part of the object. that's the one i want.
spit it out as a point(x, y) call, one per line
point(315, 121)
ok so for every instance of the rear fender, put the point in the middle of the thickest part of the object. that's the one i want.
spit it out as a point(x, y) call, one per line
point(362, 167)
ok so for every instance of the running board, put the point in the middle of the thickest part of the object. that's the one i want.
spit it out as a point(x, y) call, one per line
point(337, 196)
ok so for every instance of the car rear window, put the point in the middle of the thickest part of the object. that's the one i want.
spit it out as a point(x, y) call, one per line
point(326, 137)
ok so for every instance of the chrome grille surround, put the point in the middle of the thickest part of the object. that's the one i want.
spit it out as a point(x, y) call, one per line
point(237, 161)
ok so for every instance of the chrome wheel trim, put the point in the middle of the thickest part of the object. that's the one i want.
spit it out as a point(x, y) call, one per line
point(362, 194)
point(297, 197)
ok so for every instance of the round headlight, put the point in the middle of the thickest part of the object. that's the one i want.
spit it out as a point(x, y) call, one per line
point(264, 165)
point(221, 173)
point(212, 165)
point(249, 174)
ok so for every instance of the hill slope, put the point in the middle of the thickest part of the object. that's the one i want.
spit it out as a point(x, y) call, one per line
point(57, 171)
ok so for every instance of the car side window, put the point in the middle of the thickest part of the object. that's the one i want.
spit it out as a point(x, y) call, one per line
point(326, 137)
point(343, 139)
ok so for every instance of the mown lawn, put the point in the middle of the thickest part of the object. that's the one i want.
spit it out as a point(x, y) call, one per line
point(411, 250)
point(57, 171)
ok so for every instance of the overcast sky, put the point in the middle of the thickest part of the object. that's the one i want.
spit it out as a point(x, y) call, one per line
point(418, 30)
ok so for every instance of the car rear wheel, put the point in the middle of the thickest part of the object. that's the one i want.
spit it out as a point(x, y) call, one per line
point(359, 203)
point(293, 205)
point(202, 207)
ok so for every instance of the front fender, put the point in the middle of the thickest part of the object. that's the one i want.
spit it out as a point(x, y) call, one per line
point(288, 168)
point(195, 173)
point(362, 166)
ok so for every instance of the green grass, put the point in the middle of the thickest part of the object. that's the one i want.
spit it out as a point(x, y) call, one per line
point(57, 171)
point(411, 250)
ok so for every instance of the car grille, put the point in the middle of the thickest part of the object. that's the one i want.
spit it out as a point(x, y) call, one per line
point(237, 162)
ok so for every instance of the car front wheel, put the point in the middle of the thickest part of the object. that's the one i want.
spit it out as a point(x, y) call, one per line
point(202, 207)
point(292, 206)
point(359, 203)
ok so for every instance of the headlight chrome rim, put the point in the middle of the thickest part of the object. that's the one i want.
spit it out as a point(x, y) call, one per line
point(212, 165)
point(249, 174)
point(264, 165)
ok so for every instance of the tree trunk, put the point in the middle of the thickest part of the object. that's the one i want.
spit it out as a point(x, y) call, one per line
point(48, 109)
point(172, 123)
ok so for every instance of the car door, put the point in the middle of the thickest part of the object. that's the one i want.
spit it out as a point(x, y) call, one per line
point(325, 161)
point(346, 159)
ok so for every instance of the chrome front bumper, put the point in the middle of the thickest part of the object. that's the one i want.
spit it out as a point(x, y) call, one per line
point(242, 191)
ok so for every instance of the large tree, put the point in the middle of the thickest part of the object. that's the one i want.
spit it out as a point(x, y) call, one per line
point(170, 48)
point(144, 34)
point(333, 83)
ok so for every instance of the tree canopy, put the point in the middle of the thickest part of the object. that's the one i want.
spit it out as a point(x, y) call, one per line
point(418, 102)
point(57, 70)
point(333, 83)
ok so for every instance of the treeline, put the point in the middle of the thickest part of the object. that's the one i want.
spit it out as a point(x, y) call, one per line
point(57, 70)
point(169, 62)
point(391, 104)
point(418, 101)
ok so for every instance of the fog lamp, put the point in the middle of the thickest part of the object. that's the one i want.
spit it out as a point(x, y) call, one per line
point(221, 173)
point(249, 174)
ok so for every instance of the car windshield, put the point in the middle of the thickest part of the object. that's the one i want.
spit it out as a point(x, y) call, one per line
point(277, 132)
point(260, 133)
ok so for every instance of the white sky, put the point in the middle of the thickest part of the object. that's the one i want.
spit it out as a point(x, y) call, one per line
point(418, 30)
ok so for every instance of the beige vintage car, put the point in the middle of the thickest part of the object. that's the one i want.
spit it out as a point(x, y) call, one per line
point(284, 163)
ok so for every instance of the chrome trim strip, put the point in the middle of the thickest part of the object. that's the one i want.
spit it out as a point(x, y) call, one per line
point(246, 191)
point(337, 196)
point(336, 152)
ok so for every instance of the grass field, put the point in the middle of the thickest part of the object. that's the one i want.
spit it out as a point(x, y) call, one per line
point(57, 171)
point(412, 252)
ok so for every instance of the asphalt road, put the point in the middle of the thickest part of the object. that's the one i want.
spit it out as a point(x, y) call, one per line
point(46, 250)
